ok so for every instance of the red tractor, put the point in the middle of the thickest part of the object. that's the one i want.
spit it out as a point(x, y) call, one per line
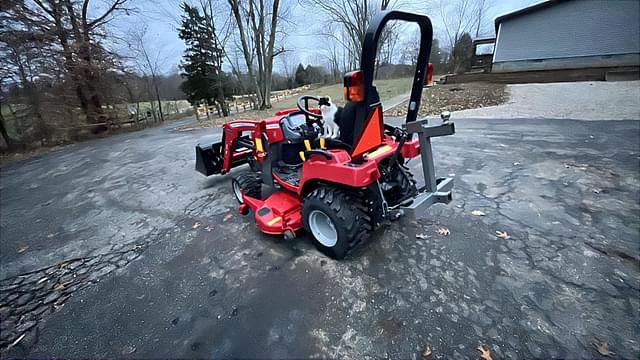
point(339, 189)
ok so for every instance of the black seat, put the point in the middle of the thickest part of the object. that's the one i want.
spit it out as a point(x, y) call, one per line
point(345, 117)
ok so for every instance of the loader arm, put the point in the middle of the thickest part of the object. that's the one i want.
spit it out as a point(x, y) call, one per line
point(234, 149)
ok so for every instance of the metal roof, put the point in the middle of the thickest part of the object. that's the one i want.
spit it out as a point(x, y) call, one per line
point(527, 10)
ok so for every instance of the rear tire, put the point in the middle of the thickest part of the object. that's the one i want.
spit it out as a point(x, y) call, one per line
point(249, 183)
point(338, 220)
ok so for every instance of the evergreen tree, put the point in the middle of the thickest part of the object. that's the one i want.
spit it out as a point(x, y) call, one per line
point(436, 56)
point(202, 60)
point(462, 54)
point(301, 76)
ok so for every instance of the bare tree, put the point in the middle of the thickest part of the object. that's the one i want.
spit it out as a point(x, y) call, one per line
point(28, 58)
point(256, 24)
point(78, 35)
point(460, 16)
point(346, 27)
point(288, 63)
point(352, 19)
point(149, 63)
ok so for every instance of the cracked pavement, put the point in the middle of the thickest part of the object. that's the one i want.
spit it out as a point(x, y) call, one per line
point(118, 248)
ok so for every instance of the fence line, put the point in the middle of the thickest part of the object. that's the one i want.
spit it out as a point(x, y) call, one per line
point(237, 107)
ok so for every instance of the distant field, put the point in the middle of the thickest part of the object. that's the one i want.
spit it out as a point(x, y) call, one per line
point(386, 88)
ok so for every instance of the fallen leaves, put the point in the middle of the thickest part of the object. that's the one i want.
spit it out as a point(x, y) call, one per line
point(129, 349)
point(22, 249)
point(442, 97)
point(503, 235)
point(427, 351)
point(443, 231)
point(485, 353)
point(196, 225)
point(478, 213)
point(602, 347)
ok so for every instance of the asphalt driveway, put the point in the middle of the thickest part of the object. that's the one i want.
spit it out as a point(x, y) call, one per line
point(118, 248)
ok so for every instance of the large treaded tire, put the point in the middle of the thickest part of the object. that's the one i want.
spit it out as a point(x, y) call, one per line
point(250, 183)
point(349, 213)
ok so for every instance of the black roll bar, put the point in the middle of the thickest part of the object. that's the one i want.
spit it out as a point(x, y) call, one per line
point(369, 51)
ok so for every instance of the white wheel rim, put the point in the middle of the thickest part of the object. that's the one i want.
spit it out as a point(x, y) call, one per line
point(323, 228)
point(237, 192)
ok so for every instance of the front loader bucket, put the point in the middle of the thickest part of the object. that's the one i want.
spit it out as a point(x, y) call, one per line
point(209, 158)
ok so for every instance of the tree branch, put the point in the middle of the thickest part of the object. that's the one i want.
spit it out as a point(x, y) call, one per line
point(115, 6)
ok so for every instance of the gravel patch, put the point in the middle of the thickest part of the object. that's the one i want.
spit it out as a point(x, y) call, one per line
point(589, 100)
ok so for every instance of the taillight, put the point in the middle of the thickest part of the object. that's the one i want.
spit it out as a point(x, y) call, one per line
point(428, 80)
point(354, 86)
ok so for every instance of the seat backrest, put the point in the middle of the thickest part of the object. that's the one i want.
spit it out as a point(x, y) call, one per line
point(345, 118)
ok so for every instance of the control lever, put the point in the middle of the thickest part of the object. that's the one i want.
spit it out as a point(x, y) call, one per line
point(401, 136)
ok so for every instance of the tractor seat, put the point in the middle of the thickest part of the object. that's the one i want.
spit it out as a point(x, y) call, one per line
point(345, 117)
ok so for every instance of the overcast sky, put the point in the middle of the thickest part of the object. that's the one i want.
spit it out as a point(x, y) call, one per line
point(162, 16)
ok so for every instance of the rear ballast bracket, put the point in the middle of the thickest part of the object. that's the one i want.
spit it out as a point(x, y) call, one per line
point(435, 190)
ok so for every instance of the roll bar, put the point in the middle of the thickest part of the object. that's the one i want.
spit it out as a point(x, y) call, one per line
point(369, 51)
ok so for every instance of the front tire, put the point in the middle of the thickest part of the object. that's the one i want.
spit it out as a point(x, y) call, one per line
point(248, 183)
point(338, 220)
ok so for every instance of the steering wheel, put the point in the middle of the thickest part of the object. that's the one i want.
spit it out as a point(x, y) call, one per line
point(303, 105)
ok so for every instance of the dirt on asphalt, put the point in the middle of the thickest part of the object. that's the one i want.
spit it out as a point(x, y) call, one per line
point(454, 97)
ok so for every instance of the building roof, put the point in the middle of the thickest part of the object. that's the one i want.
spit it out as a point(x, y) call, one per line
point(527, 10)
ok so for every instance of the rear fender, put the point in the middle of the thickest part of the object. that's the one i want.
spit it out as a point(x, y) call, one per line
point(337, 170)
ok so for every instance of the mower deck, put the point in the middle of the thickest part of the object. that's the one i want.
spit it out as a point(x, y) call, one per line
point(277, 214)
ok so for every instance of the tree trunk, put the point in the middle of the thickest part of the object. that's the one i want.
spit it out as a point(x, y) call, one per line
point(155, 85)
point(5, 136)
point(269, 57)
point(195, 110)
point(3, 129)
point(137, 114)
point(235, 7)
point(153, 112)
point(222, 101)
